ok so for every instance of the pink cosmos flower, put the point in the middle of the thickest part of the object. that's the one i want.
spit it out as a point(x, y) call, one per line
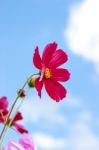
point(25, 143)
point(3, 103)
point(51, 74)
point(3, 115)
point(20, 128)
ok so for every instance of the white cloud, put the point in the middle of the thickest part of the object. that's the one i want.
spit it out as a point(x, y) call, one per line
point(80, 137)
point(73, 101)
point(35, 109)
point(82, 33)
point(47, 142)
point(85, 116)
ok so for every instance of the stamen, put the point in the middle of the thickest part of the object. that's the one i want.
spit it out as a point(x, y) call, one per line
point(47, 73)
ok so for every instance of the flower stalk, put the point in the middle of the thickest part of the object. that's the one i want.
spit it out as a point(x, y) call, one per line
point(6, 124)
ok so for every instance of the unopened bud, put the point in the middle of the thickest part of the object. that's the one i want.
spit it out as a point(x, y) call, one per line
point(21, 93)
point(31, 82)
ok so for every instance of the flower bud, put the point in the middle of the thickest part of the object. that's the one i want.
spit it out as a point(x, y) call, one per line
point(21, 93)
point(31, 82)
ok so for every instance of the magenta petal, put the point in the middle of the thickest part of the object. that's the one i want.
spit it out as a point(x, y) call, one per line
point(3, 116)
point(60, 74)
point(38, 85)
point(58, 58)
point(37, 59)
point(18, 117)
point(55, 90)
point(3, 103)
point(48, 52)
point(20, 128)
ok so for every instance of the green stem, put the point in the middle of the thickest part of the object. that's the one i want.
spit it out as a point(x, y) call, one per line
point(11, 121)
point(10, 112)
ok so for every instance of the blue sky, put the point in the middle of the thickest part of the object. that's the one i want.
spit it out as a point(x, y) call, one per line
point(25, 24)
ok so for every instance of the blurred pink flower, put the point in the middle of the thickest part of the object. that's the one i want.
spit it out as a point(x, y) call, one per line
point(25, 143)
point(4, 113)
point(3, 103)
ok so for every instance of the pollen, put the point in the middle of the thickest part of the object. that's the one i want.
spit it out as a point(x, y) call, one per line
point(47, 73)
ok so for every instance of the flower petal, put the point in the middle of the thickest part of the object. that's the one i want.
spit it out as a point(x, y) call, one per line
point(20, 128)
point(55, 90)
point(27, 142)
point(12, 145)
point(3, 103)
point(39, 85)
point(48, 52)
point(58, 58)
point(37, 59)
point(1, 119)
point(3, 116)
point(18, 117)
point(60, 74)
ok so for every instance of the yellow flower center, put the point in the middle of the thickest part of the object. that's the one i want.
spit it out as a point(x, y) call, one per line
point(47, 73)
